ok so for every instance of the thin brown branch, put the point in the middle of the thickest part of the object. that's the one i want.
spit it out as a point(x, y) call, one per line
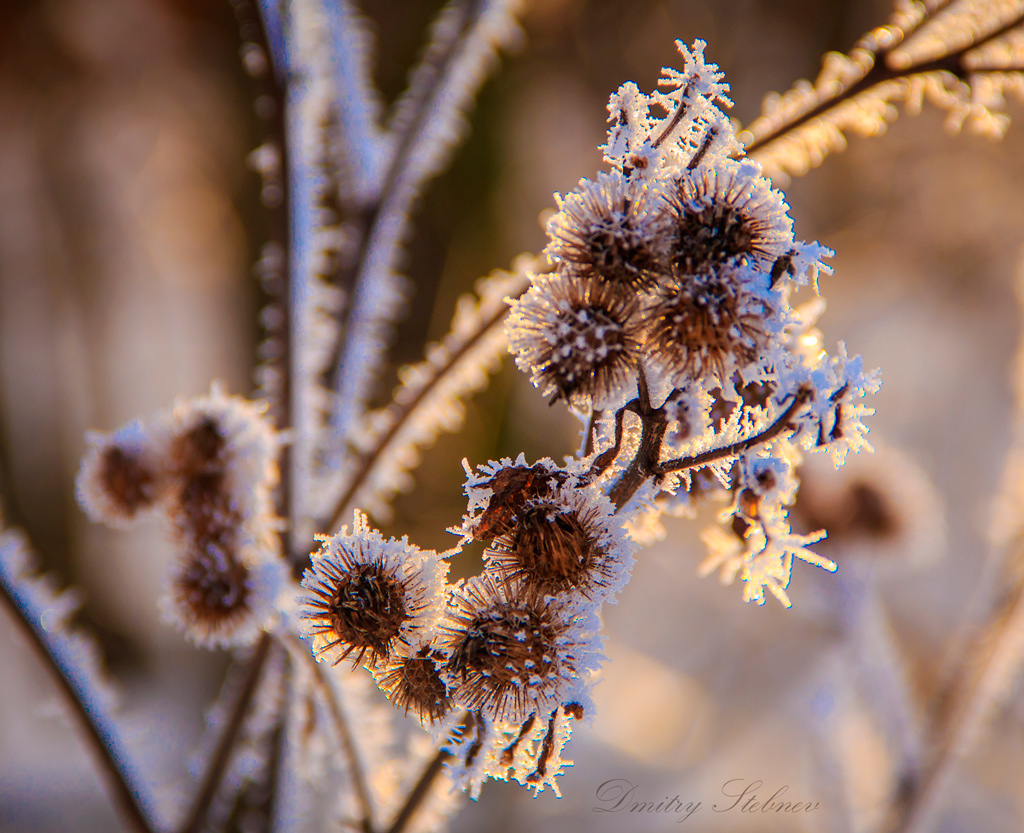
point(987, 673)
point(114, 770)
point(344, 731)
point(673, 122)
point(879, 73)
point(218, 764)
point(780, 424)
point(420, 791)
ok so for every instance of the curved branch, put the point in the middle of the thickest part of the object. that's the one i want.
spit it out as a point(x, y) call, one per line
point(420, 790)
point(402, 413)
point(116, 770)
point(218, 764)
point(341, 726)
point(879, 73)
point(780, 424)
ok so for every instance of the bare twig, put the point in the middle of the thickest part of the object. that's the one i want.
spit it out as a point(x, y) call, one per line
point(117, 775)
point(420, 790)
point(780, 424)
point(438, 63)
point(988, 672)
point(343, 729)
point(218, 764)
point(879, 73)
point(401, 415)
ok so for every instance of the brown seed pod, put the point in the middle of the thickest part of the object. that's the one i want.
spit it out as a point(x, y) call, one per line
point(414, 683)
point(211, 595)
point(511, 651)
point(511, 488)
point(122, 475)
point(561, 544)
point(577, 338)
point(613, 230)
point(365, 593)
point(200, 449)
point(359, 608)
point(726, 213)
point(705, 323)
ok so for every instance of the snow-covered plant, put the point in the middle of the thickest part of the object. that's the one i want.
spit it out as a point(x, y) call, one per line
point(673, 312)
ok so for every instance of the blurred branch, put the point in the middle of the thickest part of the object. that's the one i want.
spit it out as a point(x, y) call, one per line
point(989, 671)
point(218, 763)
point(115, 770)
point(876, 51)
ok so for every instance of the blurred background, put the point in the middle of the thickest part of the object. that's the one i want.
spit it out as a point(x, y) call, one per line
point(129, 222)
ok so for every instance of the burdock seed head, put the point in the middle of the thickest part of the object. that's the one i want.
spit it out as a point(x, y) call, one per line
point(611, 229)
point(577, 338)
point(512, 651)
point(365, 593)
point(412, 681)
point(566, 541)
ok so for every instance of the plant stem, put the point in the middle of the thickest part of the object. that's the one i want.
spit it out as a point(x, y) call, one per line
point(780, 424)
point(401, 415)
point(420, 790)
point(111, 765)
point(341, 726)
point(989, 672)
point(229, 738)
point(879, 73)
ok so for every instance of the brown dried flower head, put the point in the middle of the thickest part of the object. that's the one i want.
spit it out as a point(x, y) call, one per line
point(359, 608)
point(414, 683)
point(201, 449)
point(510, 488)
point(511, 650)
point(577, 338)
point(211, 595)
point(612, 230)
point(365, 593)
point(705, 323)
point(724, 213)
point(121, 476)
point(562, 544)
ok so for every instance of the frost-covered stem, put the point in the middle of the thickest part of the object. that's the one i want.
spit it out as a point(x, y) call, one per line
point(218, 763)
point(419, 792)
point(607, 457)
point(673, 122)
point(403, 414)
point(645, 461)
point(344, 731)
point(992, 667)
point(373, 213)
point(280, 409)
point(879, 73)
point(124, 796)
point(780, 424)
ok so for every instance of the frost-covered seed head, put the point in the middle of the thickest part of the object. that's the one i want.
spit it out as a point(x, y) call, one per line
point(414, 684)
point(727, 212)
point(129, 482)
point(552, 548)
point(507, 649)
point(705, 323)
point(122, 474)
point(211, 594)
point(612, 230)
point(577, 338)
point(511, 488)
point(360, 608)
point(367, 593)
point(200, 449)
